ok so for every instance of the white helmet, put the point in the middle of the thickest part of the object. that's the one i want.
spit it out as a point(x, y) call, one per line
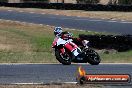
point(57, 31)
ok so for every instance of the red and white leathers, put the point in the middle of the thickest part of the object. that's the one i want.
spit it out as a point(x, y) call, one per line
point(71, 44)
point(68, 44)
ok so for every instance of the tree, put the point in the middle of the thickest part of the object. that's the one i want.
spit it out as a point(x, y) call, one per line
point(128, 2)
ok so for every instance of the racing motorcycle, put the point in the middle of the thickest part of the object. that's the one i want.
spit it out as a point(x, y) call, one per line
point(66, 51)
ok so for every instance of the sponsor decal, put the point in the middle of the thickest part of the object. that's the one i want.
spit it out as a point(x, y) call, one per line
point(83, 77)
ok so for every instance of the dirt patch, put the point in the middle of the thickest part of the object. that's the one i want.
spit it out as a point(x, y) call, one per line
point(5, 47)
point(19, 47)
point(11, 39)
point(51, 86)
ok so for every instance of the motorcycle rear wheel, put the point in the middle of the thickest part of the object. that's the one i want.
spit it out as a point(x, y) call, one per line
point(65, 60)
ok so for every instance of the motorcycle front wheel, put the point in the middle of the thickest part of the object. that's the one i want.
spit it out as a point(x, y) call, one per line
point(64, 59)
point(93, 57)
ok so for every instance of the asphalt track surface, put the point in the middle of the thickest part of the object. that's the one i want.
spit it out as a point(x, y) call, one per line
point(89, 24)
point(55, 73)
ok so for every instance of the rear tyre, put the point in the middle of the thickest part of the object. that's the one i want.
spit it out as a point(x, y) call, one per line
point(93, 57)
point(65, 60)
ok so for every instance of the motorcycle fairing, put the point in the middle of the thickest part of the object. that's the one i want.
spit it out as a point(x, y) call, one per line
point(68, 44)
point(72, 48)
point(54, 42)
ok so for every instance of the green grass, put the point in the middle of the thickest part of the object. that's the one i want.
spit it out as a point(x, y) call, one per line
point(119, 57)
point(20, 43)
point(26, 57)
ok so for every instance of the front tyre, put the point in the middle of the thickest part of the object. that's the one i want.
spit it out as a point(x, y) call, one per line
point(93, 57)
point(64, 59)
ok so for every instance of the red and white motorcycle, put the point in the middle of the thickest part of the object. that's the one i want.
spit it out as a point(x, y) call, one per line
point(66, 51)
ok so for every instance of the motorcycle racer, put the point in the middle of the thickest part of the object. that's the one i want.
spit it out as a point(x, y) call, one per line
point(58, 32)
point(68, 36)
point(68, 49)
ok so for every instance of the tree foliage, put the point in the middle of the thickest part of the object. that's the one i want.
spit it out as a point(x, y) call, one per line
point(125, 2)
point(3, 0)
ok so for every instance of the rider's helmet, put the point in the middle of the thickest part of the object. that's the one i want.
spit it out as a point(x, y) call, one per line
point(57, 31)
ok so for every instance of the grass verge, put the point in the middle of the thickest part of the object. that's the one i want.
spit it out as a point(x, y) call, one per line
point(31, 43)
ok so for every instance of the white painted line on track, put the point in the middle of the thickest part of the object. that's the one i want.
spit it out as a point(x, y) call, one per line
point(31, 12)
point(70, 82)
point(95, 20)
point(43, 13)
point(80, 19)
point(61, 64)
point(30, 63)
point(123, 20)
point(31, 23)
point(21, 11)
point(112, 21)
point(42, 83)
point(98, 20)
point(21, 22)
point(10, 10)
point(105, 63)
point(126, 22)
point(103, 18)
point(117, 63)
point(27, 83)
point(41, 24)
